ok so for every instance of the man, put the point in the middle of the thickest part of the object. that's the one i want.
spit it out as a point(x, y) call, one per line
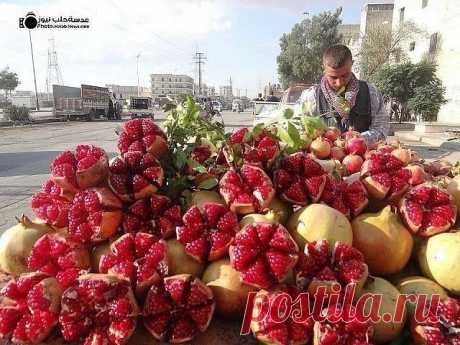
point(272, 98)
point(259, 98)
point(345, 102)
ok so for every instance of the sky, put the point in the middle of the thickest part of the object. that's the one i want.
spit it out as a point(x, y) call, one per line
point(240, 39)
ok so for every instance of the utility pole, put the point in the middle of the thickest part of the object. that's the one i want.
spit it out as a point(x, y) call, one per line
point(53, 75)
point(200, 59)
point(33, 68)
point(138, 88)
point(231, 86)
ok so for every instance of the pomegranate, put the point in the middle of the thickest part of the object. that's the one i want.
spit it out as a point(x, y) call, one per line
point(16, 244)
point(332, 133)
point(320, 147)
point(177, 308)
point(441, 326)
point(97, 251)
point(268, 329)
point(156, 215)
point(229, 292)
point(207, 233)
point(454, 190)
point(351, 134)
point(415, 285)
point(278, 212)
point(60, 257)
point(439, 167)
point(384, 330)
point(84, 168)
point(323, 266)
point(135, 175)
point(384, 241)
point(339, 142)
point(384, 177)
point(353, 163)
point(247, 190)
point(348, 196)
point(263, 253)
point(52, 204)
point(142, 135)
point(340, 327)
point(418, 175)
point(356, 146)
point(269, 217)
point(98, 309)
point(200, 197)
point(139, 258)
point(299, 179)
point(259, 149)
point(438, 258)
point(319, 222)
point(180, 262)
point(428, 210)
point(337, 153)
point(404, 155)
point(29, 308)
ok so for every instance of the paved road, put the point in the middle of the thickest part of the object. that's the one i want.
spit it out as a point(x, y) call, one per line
point(26, 153)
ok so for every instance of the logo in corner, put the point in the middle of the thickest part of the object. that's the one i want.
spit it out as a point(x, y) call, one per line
point(30, 21)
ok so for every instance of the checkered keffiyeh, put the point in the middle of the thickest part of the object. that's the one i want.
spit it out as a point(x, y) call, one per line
point(339, 101)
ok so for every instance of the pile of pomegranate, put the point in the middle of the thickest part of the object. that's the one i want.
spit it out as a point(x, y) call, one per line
point(139, 250)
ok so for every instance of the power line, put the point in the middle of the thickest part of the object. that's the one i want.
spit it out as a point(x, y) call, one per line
point(199, 59)
point(53, 75)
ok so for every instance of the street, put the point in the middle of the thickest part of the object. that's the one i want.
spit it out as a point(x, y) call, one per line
point(26, 153)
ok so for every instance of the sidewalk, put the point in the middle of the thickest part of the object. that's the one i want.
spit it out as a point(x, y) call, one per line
point(42, 116)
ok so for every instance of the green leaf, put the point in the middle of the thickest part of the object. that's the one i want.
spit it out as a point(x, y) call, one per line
point(288, 113)
point(196, 166)
point(285, 137)
point(180, 159)
point(258, 129)
point(208, 184)
point(247, 137)
point(294, 134)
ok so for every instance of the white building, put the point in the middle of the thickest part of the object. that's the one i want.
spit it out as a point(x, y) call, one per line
point(440, 19)
point(125, 91)
point(171, 85)
point(226, 92)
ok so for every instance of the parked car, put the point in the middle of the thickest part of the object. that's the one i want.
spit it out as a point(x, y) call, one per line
point(217, 106)
point(237, 105)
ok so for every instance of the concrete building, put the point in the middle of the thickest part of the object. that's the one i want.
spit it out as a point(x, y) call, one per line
point(376, 15)
point(226, 92)
point(350, 37)
point(125, 91)
point(275, 88)
point(206, 90)
point(440, 19)
point(171, 85)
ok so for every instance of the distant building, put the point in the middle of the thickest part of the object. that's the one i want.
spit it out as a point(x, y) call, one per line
point(440, 20)
point(206, 91)
point(275, 88)
point(226, 92)
point(125, 91)
point(350, 33)
point(376, 15)
point(172, 85)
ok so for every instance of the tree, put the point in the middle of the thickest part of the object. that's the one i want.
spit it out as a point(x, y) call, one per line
point(380, 43)
point(413, 89)
point(8, 81)
point(300, 60)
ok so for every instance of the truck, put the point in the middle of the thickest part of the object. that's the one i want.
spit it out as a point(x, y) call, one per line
point(87, 102)
point(140, 107)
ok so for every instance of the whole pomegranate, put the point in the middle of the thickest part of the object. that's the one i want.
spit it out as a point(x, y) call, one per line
point(267, 327)
point(438, 258)
point(353, 163)
point(16, 244)
point(29, 308)
point(321, 148)
point(384, 330)
point(427, 210)
point(351, 134)
point(278, 212)
point(319, 222)
point(229, 291)
point(356, 146)
point(337, 153)
point(200, 197)
point(384, 241)
point(454, 190)
point(324, 266)
point(177, 308)
point(416, 285)
point(332, 133)
point(440, 327)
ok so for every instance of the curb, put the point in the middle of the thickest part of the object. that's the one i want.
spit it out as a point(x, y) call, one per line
point(33, 122)
point(440, 142)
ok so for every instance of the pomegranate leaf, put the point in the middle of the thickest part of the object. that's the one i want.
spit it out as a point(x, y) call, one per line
point(196, 166)
point(208, 184)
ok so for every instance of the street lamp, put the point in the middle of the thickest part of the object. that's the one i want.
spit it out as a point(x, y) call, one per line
point(138, 88)
point(33, 68)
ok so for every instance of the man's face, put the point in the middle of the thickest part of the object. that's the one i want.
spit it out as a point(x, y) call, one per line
point(337, 78)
